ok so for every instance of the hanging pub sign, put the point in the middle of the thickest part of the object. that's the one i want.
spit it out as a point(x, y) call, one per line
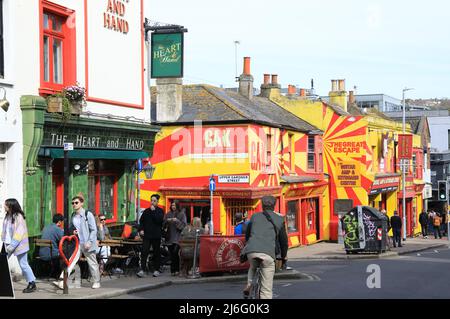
point(167, 55)
point(405, 146)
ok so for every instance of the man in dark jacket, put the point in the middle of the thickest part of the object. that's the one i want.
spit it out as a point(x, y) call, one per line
point(150, 226)
point(423, 220)
point(54, 233)
point(261, 246)
point(396, 224)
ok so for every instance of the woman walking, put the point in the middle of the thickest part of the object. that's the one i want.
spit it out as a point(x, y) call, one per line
point(174, 221)
point(15, 237)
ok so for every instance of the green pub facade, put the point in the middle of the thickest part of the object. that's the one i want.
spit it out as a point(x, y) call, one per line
point(102, 163)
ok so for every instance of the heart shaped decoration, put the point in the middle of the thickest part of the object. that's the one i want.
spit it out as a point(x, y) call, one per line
point(75, 252)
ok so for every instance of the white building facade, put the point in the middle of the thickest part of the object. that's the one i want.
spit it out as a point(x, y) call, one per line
point(47, 46)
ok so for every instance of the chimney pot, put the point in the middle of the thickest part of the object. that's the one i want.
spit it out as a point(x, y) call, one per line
point(247, 65)
point(351, 97)
point(334, 85)
point(274, 79)
point(266, 79)
point(341, 85)
point(302, 92)
point(291, 89)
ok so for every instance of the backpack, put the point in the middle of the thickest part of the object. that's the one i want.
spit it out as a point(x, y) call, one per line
point(437, 221)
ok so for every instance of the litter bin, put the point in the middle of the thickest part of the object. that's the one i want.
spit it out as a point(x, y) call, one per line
point(365, 230)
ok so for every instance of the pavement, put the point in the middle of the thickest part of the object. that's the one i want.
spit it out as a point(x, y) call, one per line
point(115, 286)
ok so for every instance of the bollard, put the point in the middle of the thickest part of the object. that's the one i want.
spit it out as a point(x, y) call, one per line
point(194, 266)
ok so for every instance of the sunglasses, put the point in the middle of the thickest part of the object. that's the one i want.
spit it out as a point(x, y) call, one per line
point(102, 219)
point(75, 203)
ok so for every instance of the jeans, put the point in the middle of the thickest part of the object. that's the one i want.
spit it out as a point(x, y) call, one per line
point(267, 272)
point(26, 269)
point(397, 237)
point(424, 229)
point(175, 258)
point(437, 231)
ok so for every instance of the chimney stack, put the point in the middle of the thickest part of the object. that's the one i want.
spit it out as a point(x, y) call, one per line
point(292, 89)
point(169, 93)
point(246, 80)
point(338, 95)
point(351, 98)
point(268, 89)
point(302, 92)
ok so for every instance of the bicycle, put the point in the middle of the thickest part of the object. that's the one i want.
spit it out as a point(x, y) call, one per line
point(255, 288)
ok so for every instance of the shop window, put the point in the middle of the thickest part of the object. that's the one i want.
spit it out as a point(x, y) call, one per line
point(58, 58)
point(2, 58)
point(233, 206)
point(292, 216)
point(102, 187)
point(414, 166)
point(311, 153)
point(268, 153)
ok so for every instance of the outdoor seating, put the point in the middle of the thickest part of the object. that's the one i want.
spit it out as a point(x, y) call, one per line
point(115, 260)
point(39, 262)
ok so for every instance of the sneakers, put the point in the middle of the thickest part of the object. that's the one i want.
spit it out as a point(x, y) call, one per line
point(75, 285)
point(96, 285)
point(176, 273)
point(140, 274)
point(156, 273)
point(59, 284)
point(30, 288)
point(117, 271)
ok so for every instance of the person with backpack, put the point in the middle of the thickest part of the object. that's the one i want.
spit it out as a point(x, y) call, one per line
point(83, 225)
point(437, 225)
point(266, 237)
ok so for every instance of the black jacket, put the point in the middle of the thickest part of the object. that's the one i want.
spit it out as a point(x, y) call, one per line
point(423, 218)
point(396, 222)
point(151, 223)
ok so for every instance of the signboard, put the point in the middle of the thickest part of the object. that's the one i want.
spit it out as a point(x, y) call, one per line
point(342, 206)
point(405, 146)
point(6, 287)
point(167, 55)
point(221, 253)
point(212, 185)
point(384, 184)
point(68, 146)
point(348, 174)
point(234, 179)
point(90, 138)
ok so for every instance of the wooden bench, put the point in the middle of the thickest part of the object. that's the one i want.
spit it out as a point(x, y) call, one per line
point(38, 242)
point(114, 258)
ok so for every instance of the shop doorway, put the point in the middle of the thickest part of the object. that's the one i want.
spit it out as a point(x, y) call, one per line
point(196, 208)
point(409, 219)
point(310, 212)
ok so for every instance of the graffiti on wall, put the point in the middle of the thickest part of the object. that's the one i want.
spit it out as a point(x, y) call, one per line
point(351, 236)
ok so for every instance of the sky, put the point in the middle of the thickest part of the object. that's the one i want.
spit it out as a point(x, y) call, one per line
point(379, 46)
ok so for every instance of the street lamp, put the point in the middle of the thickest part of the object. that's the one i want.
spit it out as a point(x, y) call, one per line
point(403, 165)
point(149, 170)
point(235, 57)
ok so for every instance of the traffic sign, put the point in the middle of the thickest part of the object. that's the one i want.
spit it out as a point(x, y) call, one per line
point(68, 146)
point(139, 164)
point(212, 184)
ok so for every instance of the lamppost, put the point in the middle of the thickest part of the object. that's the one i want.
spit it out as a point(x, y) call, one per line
point(403, 165)
point(235, 57)
point(148, 169)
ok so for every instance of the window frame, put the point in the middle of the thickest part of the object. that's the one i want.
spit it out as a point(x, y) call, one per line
point(68, 37)
point(311, 153)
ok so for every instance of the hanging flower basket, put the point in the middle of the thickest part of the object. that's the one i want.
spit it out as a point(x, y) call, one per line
point(77, 107)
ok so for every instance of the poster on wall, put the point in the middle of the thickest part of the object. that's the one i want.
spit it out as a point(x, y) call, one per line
point(405, 146)
point(167, 55)
point(348, 174)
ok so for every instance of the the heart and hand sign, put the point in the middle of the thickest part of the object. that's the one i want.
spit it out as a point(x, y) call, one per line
point(75, 252)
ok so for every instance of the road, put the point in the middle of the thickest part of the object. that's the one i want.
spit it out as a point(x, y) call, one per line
point(421, 275)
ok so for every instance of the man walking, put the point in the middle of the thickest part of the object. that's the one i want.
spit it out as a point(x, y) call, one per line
point(423, 220)
point(84, 226)
point(396, 224)
point(150, 225)
point(388, 225)
point(263, 232)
